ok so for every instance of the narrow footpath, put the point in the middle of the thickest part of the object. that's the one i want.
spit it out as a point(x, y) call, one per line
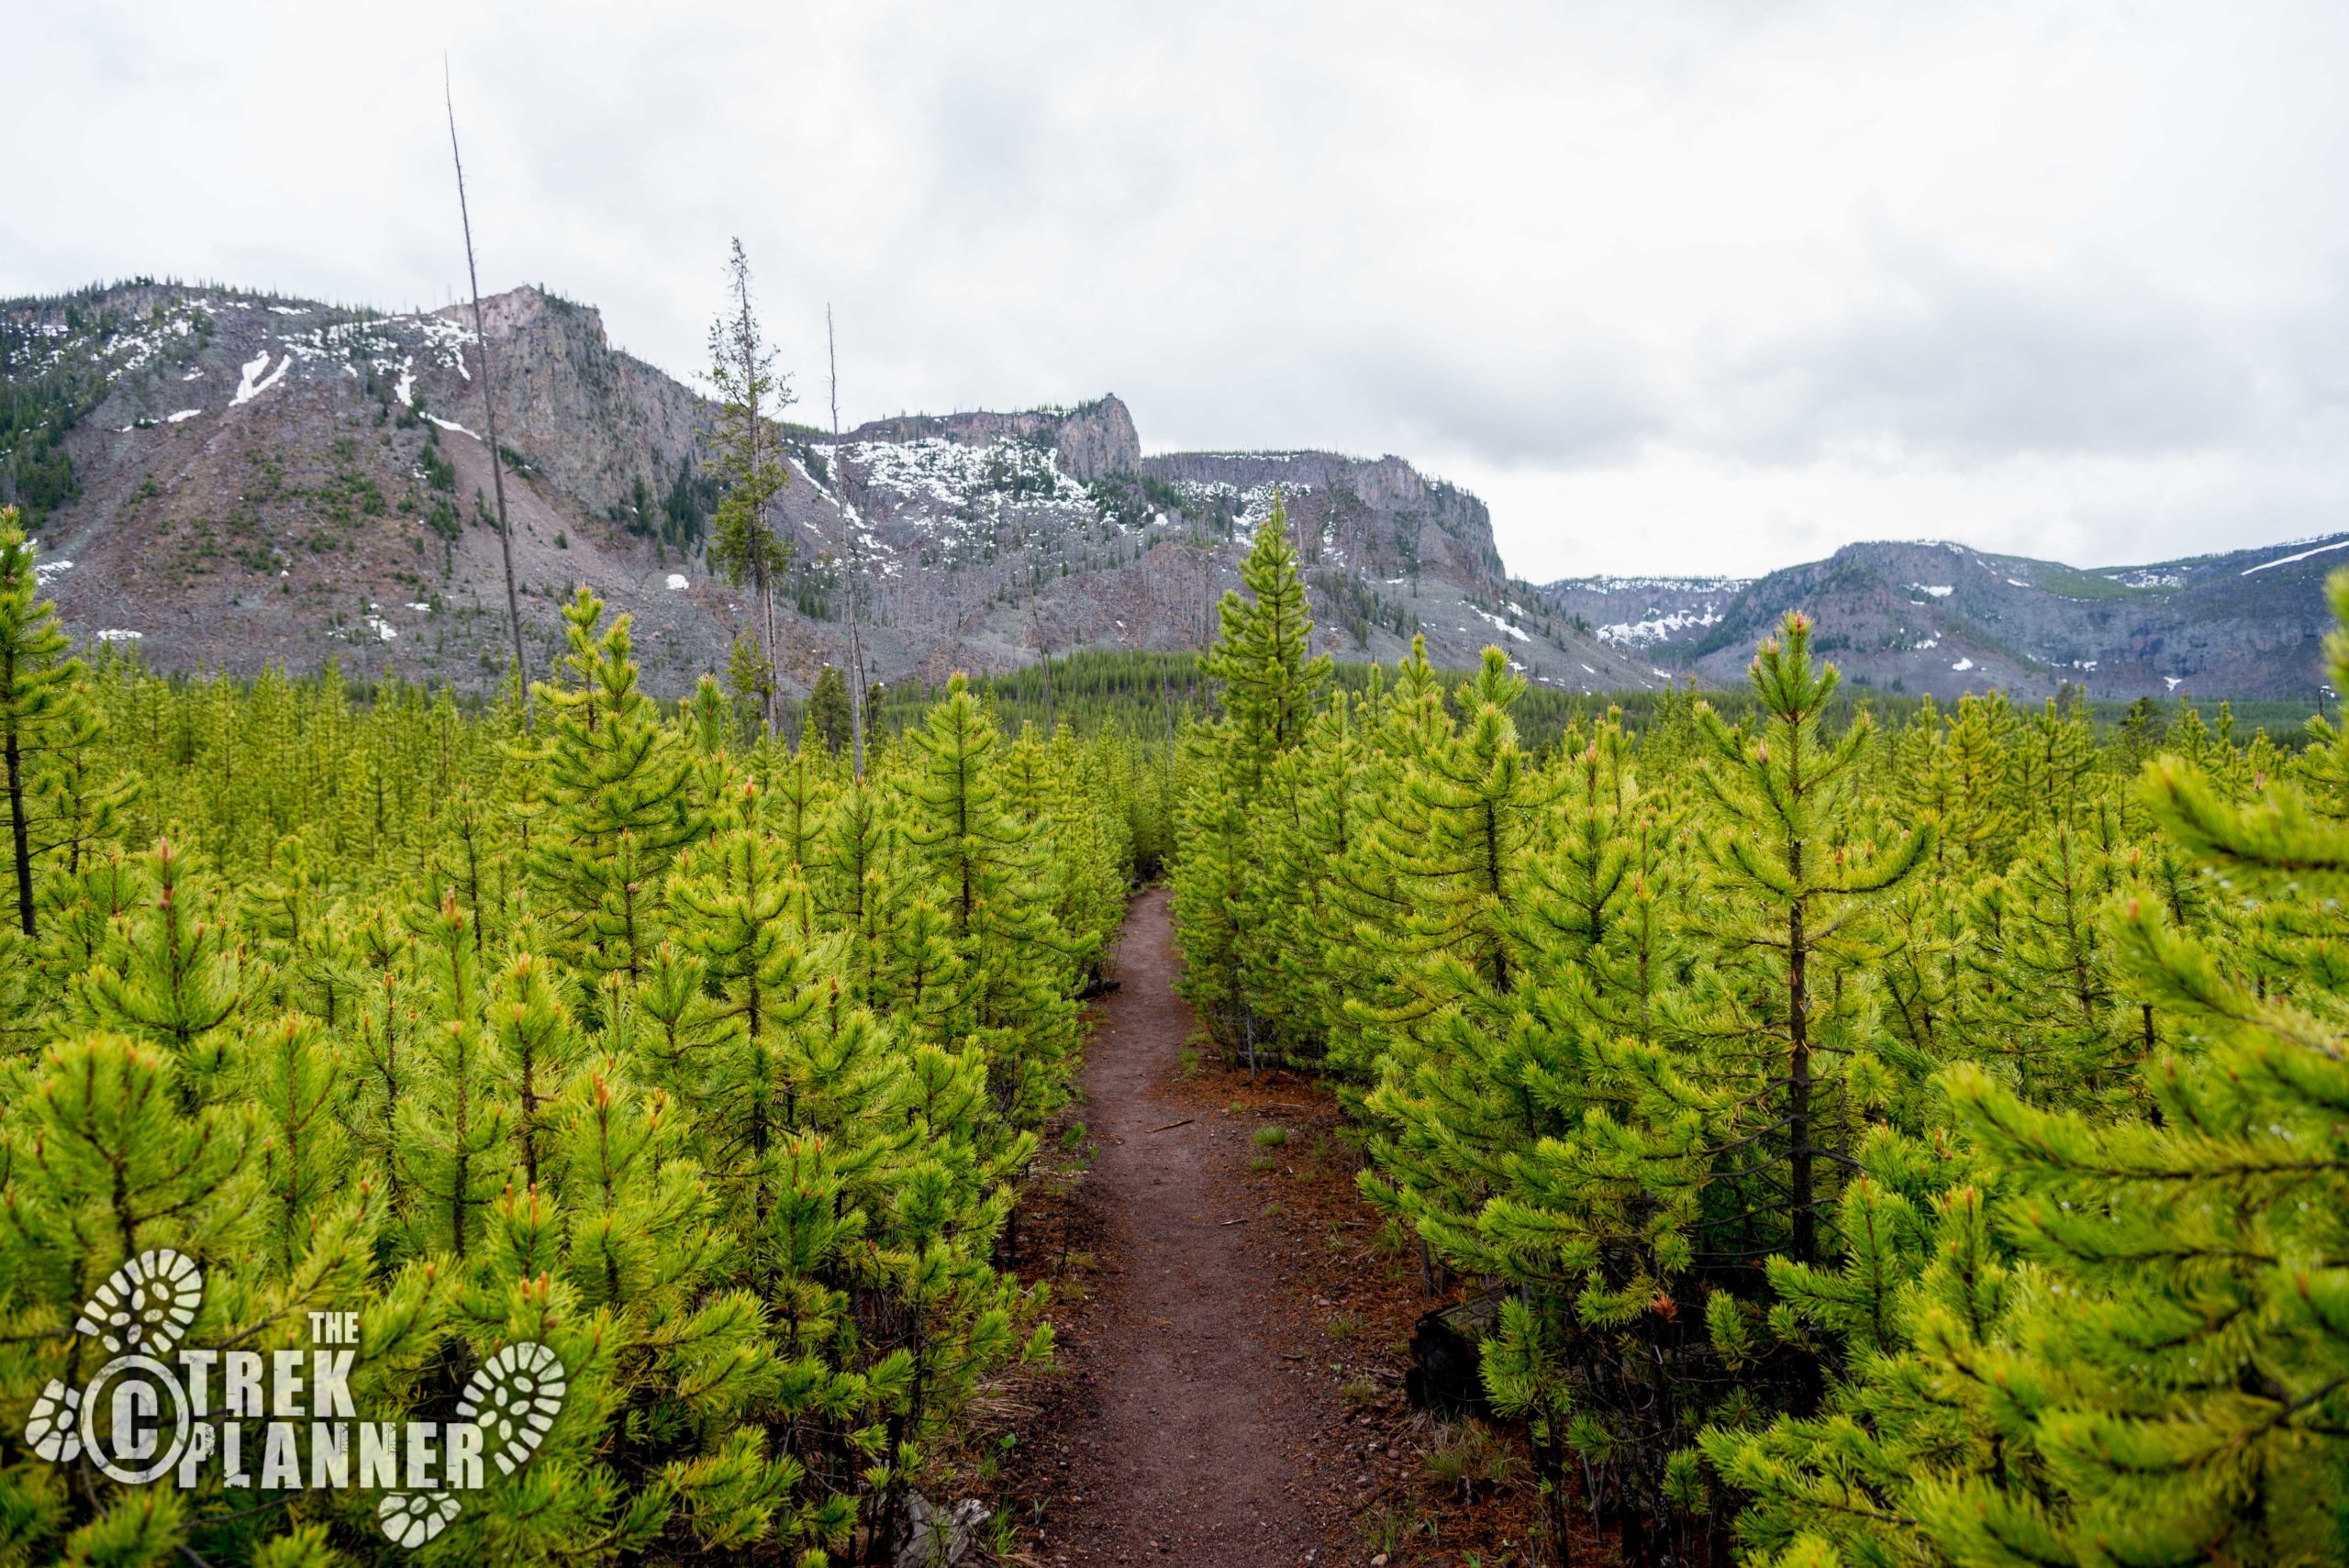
point(1186, 1444)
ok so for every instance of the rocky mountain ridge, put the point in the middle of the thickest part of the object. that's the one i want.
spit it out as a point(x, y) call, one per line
point(1941, 618)
point(230, 479)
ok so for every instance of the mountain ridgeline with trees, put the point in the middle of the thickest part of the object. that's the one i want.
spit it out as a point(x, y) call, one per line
point(611, 1025)
point(1846, 1144)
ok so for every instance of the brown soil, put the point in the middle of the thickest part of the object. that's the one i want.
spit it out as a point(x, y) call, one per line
point(1233, 1327)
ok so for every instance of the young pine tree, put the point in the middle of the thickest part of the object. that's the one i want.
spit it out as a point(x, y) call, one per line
point(453, 1141)
point(1458, 841)
point(1783, 909)
point(829, 718)
point(1271, 685)
point(1922, 1316)
point(735, 900)
point(2187, 1380)
point(619, 809)
point(106, 1159)
point(170, 973)
point(1271, 681)
point(988, 879)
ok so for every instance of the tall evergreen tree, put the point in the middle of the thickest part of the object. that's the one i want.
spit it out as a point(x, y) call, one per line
point(830, 719)
point(1271, 680)
point(1271, 684)
point(749, 465)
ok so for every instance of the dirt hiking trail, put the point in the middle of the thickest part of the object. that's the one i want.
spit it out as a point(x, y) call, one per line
point(1187, 1448)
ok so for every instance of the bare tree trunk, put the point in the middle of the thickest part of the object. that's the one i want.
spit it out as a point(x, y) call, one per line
point(16, 828)
point(489, 404)
point(774, 678)
point(1207, 594)
point(1799, 1086)
point(854, 556)
point(1044, 651)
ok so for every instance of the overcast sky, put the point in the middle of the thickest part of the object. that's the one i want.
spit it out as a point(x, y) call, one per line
point(1706, 286)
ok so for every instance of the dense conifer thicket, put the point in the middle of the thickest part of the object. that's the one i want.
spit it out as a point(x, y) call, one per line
point(701, 1063)
point(1150, 693)
point(1916, 1144)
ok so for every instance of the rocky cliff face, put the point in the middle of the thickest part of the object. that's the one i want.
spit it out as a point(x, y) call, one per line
point(1379, 515)
point(985, 543)
point(262, 481)
point(590, 419)
point(259, 480)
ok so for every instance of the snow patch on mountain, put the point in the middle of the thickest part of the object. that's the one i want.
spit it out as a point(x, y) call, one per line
point(1251, 504)
point(1653, 585)
point(944, 481)
point(1658, 627)
point(2303, 555)
point(247, 388)
point(1505, 626)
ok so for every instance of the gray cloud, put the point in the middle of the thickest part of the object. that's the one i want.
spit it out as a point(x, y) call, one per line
point(2314, 344)
point(1686, 284)
point(1552, 407)
point(1972, 368)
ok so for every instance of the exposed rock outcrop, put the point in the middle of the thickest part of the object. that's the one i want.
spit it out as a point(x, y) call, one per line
point(1091, 440)
point(590, 419)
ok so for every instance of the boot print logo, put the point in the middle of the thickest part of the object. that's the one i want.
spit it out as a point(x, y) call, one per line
point(283, 1420)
